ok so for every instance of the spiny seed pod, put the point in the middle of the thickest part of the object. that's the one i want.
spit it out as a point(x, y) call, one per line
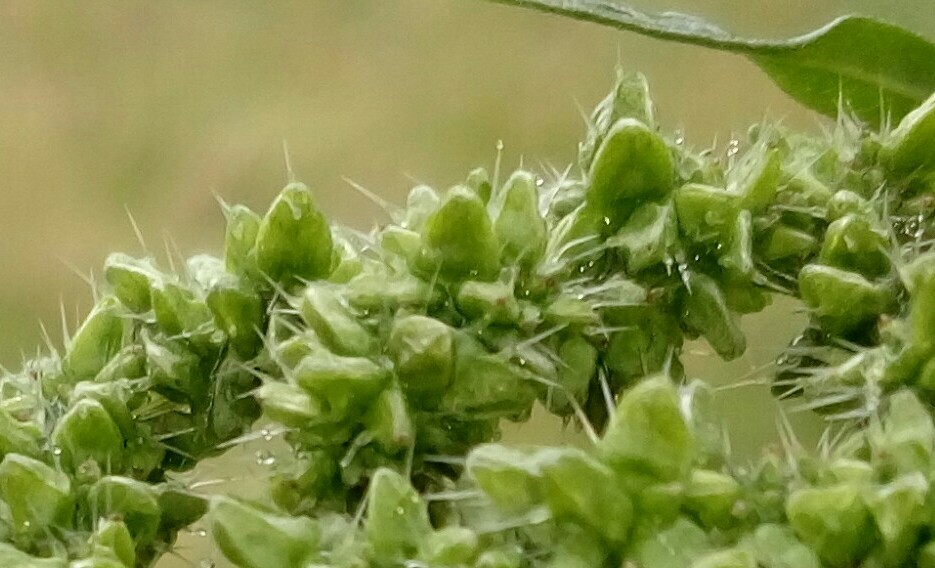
point(851, 243)
point(346, 383)
point(238, 312)
point(491, 301)
point(389, 420)
point(755, 177)
point(509, 477)
point(479, 181)
point(294, 241)
point(631, 166)
point(421, 202)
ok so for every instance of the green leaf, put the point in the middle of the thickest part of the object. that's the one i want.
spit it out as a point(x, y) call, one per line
point(875, 67)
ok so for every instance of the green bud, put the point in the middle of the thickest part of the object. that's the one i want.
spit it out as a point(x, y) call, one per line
point(397, 519)
point(252, 538)
point(87, 432)
point(711, 497)
point(851, 243)
point(569, 311)
point(518, 225)
point(333, 322)
point(450, 546)
point(131, 280)
point(238, 312)
point(629, 98)
point(98, 339)
point(129, 363)
point(705, 310)
point(423, 352)
point(631, 166)
point(649, 236)
point(175, 369)
point(460, 238)
point(908, 148)
point(294, 241)
point(842, 301)
point(130, 500)
point(579, 487)
point(115, 396)
point(647, 434)
point(705, 213)
point(243, 225)
point(834, 521)
point(389, 421)
point(38, 496)
point(775, 546)
point(491, 301)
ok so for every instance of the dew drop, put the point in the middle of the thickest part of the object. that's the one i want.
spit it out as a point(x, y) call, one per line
point(265, 458)
point(400, 511)
point(679, 137)
point(206, 563)
point(56, 451)
point(733, 147)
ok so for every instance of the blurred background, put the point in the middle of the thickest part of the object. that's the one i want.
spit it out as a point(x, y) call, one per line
point(158, 108)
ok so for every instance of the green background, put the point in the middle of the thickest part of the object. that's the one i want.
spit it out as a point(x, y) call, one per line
point(158, 108)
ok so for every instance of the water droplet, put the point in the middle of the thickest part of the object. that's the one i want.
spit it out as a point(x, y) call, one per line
point(499, 145)
point(733, 147)
point(56, 451)
point(265, 458)
point(267, 434)
point(400, 511)
point(697, 257)
point(206, 563)
point(607, 220)
point(679, 137)
point(540, 182)
point(199, 532)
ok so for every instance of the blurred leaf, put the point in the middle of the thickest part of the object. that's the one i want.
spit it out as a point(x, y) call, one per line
point(874, 67)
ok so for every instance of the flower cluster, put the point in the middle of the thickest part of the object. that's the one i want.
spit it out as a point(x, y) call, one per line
point(391, 358)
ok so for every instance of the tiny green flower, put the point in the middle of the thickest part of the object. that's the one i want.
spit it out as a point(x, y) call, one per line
point(705, 310)
point(519, 227)
point(95, 343)
point(397, 518)
point(422, 349)
point(243, 225)
point(333, 322)
point(460, 239)
point(907, 149)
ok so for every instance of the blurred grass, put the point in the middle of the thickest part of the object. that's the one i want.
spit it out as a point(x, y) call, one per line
point(158, 107)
